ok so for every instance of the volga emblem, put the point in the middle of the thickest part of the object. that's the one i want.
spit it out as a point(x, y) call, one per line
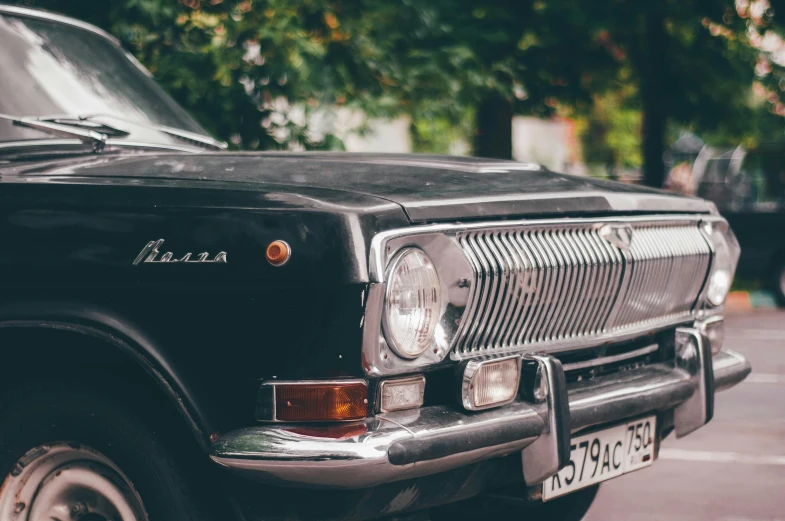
point(151, 252)
point(620, 235)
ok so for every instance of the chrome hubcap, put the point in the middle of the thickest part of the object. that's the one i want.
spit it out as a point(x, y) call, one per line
point(68, 482)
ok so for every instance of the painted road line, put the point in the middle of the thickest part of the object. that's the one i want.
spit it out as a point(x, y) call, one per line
point(765, 378)
point(720, 457)
point(754, 334)
point(743, 518)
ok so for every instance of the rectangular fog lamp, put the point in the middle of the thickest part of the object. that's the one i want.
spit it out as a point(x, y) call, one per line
point(490, 383)
point(401, 394)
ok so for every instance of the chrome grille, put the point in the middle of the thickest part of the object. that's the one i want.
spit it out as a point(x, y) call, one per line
point(550, 284)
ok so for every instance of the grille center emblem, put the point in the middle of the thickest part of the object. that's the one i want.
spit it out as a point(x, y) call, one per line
point(620, 235)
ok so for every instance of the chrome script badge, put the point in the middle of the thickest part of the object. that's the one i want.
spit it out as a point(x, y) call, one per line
point(618, 234)
point(150, 252)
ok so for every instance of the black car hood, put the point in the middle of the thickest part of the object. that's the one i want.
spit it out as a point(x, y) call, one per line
point(428, 188)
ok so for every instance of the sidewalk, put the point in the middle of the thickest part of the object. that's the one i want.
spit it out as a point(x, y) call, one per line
point(740, 301)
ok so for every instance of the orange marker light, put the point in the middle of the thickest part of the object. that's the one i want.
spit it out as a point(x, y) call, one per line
point(278, 253)
point(321, 401)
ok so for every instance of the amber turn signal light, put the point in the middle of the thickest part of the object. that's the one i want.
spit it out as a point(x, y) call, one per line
point(278, 253)
point(313, 402)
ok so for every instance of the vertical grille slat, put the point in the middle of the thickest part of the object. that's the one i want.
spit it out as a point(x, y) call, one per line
point(546, 284)
point(593, 265)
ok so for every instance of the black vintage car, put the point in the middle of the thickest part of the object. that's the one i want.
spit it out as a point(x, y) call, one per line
point(188, 333)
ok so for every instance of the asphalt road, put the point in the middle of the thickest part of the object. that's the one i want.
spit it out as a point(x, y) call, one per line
point(733, 469)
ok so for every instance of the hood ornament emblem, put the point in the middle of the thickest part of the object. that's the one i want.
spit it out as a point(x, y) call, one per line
point(620, 235)
point(150, 252)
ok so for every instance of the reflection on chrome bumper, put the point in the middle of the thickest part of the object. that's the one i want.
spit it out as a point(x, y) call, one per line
point(410, 444)
point(730, 368)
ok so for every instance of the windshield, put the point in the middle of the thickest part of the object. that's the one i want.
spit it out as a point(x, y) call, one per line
point(49, 68)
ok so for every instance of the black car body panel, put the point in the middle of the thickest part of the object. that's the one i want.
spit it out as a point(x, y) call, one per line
point(82, 221)
point(429, 188)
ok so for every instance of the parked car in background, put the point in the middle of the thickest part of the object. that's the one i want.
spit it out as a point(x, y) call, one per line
point(188, 333)
point(748, 187)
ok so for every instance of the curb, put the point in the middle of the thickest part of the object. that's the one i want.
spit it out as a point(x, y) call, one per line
point(748, 300)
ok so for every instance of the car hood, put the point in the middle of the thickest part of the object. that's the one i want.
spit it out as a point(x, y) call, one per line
point(428, 188)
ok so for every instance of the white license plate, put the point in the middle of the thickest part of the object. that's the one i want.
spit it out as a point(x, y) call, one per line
point(603, 455)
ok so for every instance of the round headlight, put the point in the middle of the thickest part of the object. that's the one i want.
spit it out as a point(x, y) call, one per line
point(412, 304)
point(722, 269)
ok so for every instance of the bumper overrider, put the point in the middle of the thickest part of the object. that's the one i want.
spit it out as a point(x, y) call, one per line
point(430, 440)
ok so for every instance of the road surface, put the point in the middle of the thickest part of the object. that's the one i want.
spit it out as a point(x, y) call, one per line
point(733, 469)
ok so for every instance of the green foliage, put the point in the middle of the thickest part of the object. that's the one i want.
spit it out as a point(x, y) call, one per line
point(239, 66)
point(610, 128)
point(270, 73)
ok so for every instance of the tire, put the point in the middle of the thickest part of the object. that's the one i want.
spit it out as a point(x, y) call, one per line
point(115, 461)
point(572, 507)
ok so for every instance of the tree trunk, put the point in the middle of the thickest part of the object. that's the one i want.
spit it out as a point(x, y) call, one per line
point(654, 96)
point(493, 137)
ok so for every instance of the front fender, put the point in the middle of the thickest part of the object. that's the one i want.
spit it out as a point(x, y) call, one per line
point(126, 337)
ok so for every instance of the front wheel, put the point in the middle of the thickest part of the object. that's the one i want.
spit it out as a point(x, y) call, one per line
point(572, 507)
point(73, 454)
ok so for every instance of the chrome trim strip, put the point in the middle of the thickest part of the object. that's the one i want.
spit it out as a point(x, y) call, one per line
point(611, 359)
point(430, 440)
point(378, 255)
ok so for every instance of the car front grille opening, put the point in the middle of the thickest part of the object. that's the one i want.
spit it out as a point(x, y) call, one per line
point(586, 364)
point(556, 285)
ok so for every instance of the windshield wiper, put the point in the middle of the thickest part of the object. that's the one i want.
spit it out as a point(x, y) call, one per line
point(95, 132)
point(87, 124)
point(176, 132)
point(92, 137)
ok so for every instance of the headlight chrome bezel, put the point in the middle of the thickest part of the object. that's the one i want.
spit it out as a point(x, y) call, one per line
point(455, 274)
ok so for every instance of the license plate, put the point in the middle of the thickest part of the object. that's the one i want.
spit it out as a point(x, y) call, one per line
point(603, 455)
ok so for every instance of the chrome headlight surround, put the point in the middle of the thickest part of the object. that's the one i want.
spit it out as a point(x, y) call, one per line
point(381, 357)
point(725, 257)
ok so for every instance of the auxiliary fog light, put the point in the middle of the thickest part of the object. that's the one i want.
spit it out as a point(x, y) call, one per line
point(401, 394)
point(490, 383)
point(687, 356)
point(714, 329)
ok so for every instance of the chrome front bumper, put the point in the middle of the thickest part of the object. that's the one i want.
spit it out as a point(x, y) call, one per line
point(430, 440)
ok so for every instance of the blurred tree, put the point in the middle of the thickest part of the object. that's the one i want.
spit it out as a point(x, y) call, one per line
point(693, 64)
point(499, 59)
point(631, 70)
point(609, 128)
point(257, 73)
point(270, 73)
